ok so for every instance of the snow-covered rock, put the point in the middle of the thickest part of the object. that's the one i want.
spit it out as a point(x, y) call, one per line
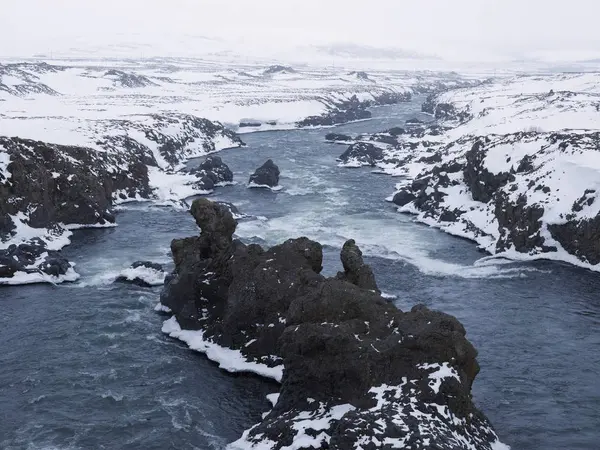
point(143, 273)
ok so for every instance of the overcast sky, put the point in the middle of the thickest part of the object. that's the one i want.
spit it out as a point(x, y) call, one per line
point(452, 29)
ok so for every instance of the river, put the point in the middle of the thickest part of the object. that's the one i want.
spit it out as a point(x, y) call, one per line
point(85, 366)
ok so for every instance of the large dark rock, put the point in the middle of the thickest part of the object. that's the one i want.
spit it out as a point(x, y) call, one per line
point(371, 372)
point(143, 273)
point(54, 183)
point(266, 175)
point(362, 153)
point(404, 197)
point(210, 173)
point(355, 269)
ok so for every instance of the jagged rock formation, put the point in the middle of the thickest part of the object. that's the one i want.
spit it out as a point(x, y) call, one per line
point(357, 372)
point(355, 269)
point(211, 172)
point(266, 175)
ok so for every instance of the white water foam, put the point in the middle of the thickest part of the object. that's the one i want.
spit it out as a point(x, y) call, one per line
point(401, 240)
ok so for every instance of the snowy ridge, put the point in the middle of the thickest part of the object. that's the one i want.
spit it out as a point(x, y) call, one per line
point(514, 166)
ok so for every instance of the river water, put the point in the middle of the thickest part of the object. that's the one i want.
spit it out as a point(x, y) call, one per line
point(85, 366)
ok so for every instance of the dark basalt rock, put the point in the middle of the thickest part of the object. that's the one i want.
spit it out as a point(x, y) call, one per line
point(447, 111)
point(481, 182)
point(404, 197)
point(235, 212)
point(215, 169)
point(54, 183)
point(344, 347)
point(137, 280)
point(384, 139)
point(519, 224)
point(265, 175)
point(25, 257)
point(580, 238)
point(396, 131)
point(337, 137)
point(363, 153)
point(355, 269)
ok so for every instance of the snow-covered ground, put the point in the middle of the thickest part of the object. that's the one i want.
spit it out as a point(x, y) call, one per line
point(516, 168)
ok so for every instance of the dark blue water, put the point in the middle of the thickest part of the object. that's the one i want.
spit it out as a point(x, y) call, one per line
point(85, 366)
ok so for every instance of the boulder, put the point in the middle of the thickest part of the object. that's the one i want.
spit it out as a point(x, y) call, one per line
point(143, 273)
point(396, 131)
point(403, 197)
point(362, 154)
point(266, 175)
point(357, 369)
point(210, 173)
point(216, 169)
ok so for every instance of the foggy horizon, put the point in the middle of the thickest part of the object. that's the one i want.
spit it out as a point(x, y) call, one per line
point(464, 30)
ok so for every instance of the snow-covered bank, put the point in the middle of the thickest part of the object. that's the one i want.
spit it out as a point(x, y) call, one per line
point(512, 164)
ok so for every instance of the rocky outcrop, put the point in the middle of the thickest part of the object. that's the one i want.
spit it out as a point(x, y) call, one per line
point(355, 269)
point(53, 188)
point(362, 154)
point(343, 112)
point(266, 175)
point(33, 262)
point(355, 370)
point(212, 172)
point(143, 274)
point(53, 184)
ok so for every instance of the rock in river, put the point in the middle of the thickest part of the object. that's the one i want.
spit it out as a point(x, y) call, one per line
point(143, 273)
point(266, 175)
point(355, 371)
